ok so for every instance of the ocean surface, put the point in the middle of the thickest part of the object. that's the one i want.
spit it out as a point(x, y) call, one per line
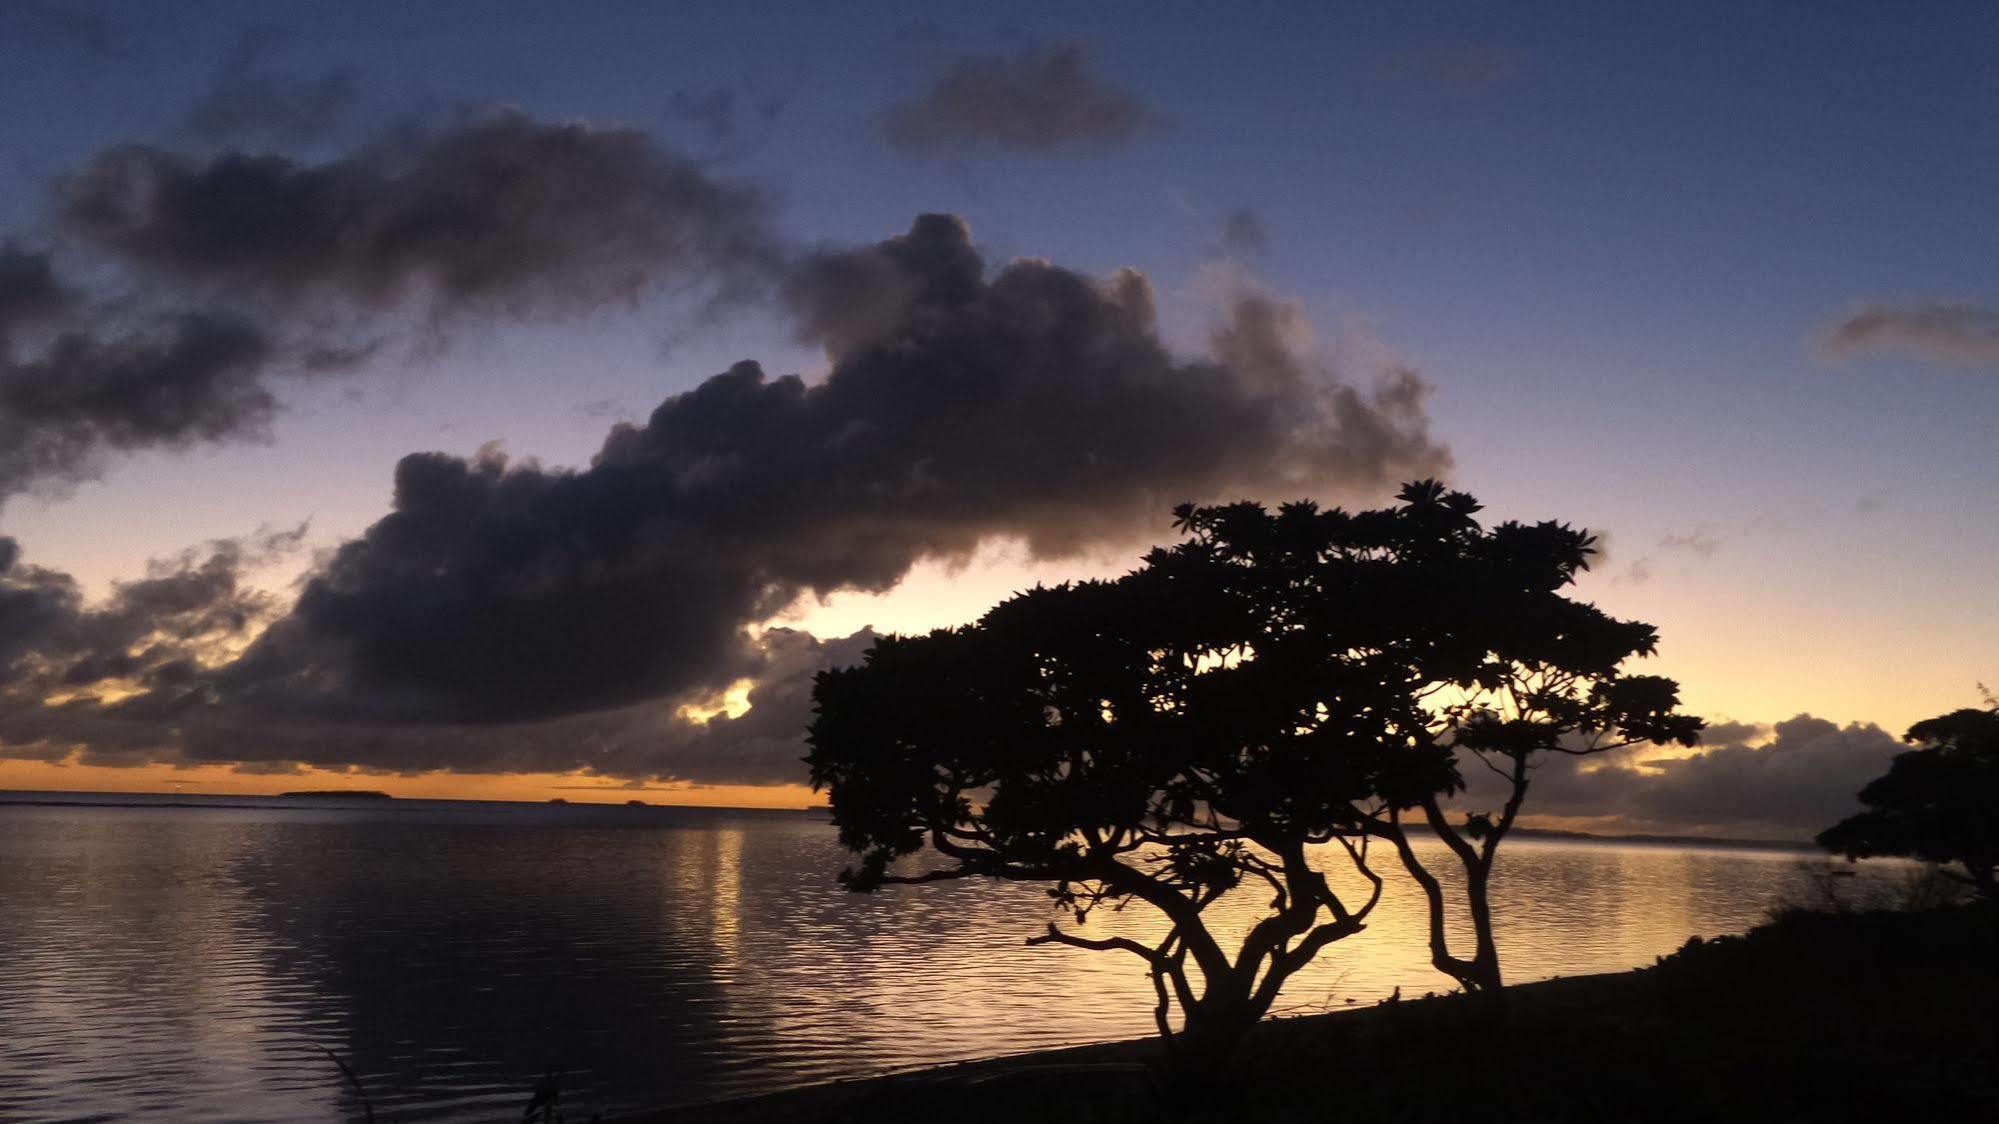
point(168, 961)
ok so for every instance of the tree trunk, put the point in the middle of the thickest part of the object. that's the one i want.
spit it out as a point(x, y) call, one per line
point(1212, 1034)
point(1481, 974)
point(1204, 1053)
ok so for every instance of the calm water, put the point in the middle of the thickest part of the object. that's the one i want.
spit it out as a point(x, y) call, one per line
point(194, 963)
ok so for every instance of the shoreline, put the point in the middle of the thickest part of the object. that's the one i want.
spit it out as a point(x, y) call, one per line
point(1126, 1061)
point(1826, 1016)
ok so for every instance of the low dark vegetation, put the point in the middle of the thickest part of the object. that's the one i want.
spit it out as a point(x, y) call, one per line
point(1813, 1017)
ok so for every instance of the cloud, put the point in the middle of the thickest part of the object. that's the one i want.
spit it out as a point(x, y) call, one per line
point(1032, 403)
point(246, 101)
point(187, 379)
point(30, 294)
point(84, 376)
point(180, 608)
point(1787, 781)
point(1244, 235)
point(150, 643)
point(1945, 332)
point(495, 212)
point(1042, 100)
point(653, 740)
point(719, 116)
point(509, 616)
point(128, 682)
point(213, 276)
point(1700, 543)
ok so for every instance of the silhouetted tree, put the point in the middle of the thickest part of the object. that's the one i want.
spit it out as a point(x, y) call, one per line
point(1471, 626)
point(1276, 689)
point(1163, 738)
point(1939, 803)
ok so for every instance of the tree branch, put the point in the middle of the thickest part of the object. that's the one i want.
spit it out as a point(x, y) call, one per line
point(1105, 944)
point(1433, 892)
point(1490, 844)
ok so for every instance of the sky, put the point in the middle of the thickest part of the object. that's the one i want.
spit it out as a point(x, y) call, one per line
point(1711, 280)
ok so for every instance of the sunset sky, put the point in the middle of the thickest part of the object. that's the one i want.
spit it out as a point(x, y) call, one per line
point(1715, 281)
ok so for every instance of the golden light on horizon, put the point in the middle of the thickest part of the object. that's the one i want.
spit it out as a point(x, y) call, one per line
point(577, 788)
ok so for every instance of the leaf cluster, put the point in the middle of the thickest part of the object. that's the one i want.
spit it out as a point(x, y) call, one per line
point(1939, 803)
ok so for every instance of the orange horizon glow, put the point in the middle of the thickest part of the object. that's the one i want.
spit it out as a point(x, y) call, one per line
point(222, 780)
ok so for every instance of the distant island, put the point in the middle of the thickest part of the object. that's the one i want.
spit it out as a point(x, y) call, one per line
point(336, 794)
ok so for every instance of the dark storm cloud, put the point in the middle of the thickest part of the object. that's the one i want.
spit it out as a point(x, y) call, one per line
point(30, 294)
point(231, 270)
point(247, 100)
point(192, 378)
point(497, 211)
point(648, 741)
point(1040, 100)
point(175, 719)
point(84, 377)
point(1939, 331)
point(1033, 402)
point(1801, 778)
point(584, 608)
point(844, 298)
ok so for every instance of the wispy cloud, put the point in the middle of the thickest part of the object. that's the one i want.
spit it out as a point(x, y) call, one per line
point(1244, 234)
point(1700, 543)
point(249, 100)
point(1954, 332)
point(1042, 100)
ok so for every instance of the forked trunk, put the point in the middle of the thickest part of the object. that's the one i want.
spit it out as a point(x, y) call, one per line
point(1208, 1045)
point(1199, 1075)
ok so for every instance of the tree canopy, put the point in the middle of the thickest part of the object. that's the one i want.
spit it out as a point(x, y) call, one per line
point(1939, 803)
point(1250, 707)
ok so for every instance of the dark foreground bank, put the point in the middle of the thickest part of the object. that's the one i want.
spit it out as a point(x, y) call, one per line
point(1814, 1017)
